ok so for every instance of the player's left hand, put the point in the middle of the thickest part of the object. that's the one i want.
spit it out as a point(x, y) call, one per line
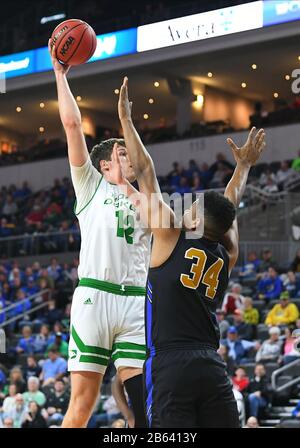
point(250, 152)
point(124, 105)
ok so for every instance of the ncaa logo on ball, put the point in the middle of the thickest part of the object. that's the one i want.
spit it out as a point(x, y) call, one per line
point(67, 45)
point(296, 335)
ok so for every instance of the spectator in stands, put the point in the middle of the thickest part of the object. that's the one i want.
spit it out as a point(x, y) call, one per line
point(6, 228)
point(57, 401)
point(296, 411)
point(119, 423)
point(271, 185)
point(23, 192)
point(54, 270)
point(10, 208)
point(295, 266)
point(9, 401)
point(16, 377)
point(53, 368)
point(112, 412)
point(271, 348)
point(238, 348)
point(41, 340)
point(283, 174)
point(245, 331)
point(217, 180)
point(33, 393)
point(23, 304)
point(197, 184)
point(259, 391)
point(250, 268)
point(269, 286)
point(233, 300)
point(223, 351)
point(240, 379)
point(26, 343)
point(221, 158)
point(31, 287)
point(52, 314)
point(290, 353)
point(252, 422)
point(291, 283)
point(183, 186)
point(62, 346)
point(32, 368)
point(192, 169)
point(251, 314)
point(266, 176)
point(33, 417)
point(18, 411)
point(223, 323)
point(175, 175)
point(283, 313)
point(8, 423)
point(267, 261)
point(296, 163)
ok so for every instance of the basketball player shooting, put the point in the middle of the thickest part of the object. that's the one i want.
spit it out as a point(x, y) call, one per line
point(186, 381)
point(107, 315)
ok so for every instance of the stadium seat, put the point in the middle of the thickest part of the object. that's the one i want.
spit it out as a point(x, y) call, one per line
point(270, 368)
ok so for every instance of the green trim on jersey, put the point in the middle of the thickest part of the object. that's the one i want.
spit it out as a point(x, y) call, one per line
point(128, 355)
point(93, 360)
point(83, 348)
point(75, 205)
point(128, 346)
point(121, 290)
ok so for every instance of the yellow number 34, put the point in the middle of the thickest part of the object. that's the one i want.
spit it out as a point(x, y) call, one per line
point(210, 278)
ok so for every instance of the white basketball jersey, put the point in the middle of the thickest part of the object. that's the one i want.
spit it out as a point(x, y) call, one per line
point(114, 245)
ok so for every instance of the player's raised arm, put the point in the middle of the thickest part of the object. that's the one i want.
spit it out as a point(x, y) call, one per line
point(69, 114)
point(143, 167)
point(245, 157)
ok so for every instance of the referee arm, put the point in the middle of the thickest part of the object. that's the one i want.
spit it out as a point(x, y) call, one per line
point(246, 156)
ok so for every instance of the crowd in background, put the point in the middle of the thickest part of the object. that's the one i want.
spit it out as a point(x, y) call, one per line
point(259, 313)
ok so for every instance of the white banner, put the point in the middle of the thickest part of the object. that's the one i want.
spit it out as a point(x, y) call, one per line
point(201, 26)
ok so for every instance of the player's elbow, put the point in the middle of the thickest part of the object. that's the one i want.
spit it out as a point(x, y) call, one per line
point(71, 123)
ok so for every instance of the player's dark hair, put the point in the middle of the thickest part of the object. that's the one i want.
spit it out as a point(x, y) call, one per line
point(219, 213)
point(103, 151)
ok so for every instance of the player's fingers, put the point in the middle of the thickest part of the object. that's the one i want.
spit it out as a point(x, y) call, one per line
point(115, 153)
point(232, 144)
point(260, 140)
point(258, 136)
point(251, 135)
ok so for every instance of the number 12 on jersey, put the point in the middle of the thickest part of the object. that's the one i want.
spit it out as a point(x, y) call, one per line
point(125, 227)
point(209, 278)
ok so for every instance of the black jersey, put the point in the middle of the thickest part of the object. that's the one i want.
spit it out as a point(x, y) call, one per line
point(183, 295)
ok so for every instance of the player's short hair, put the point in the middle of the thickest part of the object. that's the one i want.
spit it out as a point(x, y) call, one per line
point(103, 151)
point(219, 214)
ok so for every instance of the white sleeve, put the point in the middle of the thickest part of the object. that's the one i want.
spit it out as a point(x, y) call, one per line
point(86, 180)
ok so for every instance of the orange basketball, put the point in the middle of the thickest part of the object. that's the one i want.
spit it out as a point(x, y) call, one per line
point(75, 42)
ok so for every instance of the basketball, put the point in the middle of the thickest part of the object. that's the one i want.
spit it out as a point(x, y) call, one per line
point(75, 42)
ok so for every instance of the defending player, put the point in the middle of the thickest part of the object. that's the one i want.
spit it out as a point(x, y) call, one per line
point(186, 380)
point(107, 317)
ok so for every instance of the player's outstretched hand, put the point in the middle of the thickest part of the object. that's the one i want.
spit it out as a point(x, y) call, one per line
point(250, 152)
point(58, 67)
point(124, 105)
point(116, 167)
